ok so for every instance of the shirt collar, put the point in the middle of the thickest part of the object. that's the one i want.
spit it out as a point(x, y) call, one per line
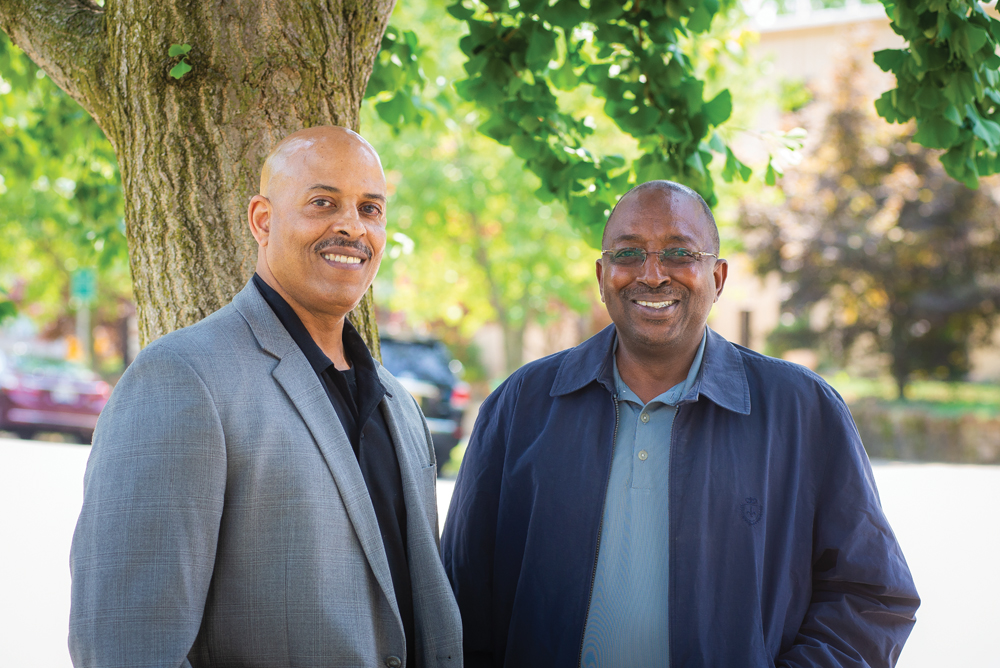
point(672, 396)
point(370, 387)
point(721, 378)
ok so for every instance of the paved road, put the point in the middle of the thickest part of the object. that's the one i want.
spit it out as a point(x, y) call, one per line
point(947, 519)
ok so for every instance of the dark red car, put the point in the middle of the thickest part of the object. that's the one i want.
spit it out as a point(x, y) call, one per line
point(42, 394)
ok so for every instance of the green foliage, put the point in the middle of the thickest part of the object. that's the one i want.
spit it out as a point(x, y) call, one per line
point(636, 57)
point(182, 67)
point(397, 80)
point(947, 79)
point(7, 307)
point(60, 195)
point(470, 244)
point(880, 248)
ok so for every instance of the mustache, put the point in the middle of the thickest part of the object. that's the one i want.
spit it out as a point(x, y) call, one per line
point(649, 294)
point(344, 243)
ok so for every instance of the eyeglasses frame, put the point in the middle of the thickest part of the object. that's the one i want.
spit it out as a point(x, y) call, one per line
point(698, 255)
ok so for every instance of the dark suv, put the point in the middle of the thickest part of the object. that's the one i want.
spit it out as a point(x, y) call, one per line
point(427, 371)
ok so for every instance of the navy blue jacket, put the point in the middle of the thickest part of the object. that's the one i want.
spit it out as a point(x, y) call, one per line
point(780, 554)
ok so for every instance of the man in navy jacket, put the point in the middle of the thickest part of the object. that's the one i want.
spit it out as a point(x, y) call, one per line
point(658, 496)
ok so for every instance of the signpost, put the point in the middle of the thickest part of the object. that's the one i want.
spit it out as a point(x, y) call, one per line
point(83, 291)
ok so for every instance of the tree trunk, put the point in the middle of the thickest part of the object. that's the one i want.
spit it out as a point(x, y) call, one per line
point(190, 150)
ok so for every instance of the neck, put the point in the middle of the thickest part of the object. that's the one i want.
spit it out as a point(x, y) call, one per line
point(326, 330)
point(651, 372)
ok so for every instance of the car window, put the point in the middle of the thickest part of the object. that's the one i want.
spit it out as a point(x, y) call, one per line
point(423, 361)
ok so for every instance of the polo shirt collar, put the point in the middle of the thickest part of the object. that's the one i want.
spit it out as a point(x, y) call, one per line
point(722, 378)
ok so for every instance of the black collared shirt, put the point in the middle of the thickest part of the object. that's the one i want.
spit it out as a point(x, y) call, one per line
point(355, 395)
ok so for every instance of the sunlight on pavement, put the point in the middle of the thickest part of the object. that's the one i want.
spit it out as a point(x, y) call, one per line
point(946, 517)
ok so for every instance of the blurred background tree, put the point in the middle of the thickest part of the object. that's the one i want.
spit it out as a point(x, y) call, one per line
point(880, 248)
point(60, 198)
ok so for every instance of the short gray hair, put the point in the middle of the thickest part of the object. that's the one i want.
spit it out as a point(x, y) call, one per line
point(674, 187)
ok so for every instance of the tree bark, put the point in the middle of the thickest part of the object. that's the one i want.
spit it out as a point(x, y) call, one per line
point(190, 150)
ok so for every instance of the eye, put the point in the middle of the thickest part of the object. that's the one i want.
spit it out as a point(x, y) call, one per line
point(628, 253)
point(679, 256)
point(371, 209)
point(322, 202)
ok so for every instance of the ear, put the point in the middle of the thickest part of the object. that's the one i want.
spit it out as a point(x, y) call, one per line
point(259, 217)
point(720, 273)
point(600, 278)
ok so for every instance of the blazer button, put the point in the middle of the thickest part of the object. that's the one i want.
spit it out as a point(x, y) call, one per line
point(393, 662)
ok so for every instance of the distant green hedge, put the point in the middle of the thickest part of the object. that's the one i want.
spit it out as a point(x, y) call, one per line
point(924, 433)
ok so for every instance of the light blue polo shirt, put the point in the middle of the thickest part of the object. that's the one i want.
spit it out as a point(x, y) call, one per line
point(627, 622)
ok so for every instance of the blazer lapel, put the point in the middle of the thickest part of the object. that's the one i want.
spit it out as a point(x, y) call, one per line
point(300, 382)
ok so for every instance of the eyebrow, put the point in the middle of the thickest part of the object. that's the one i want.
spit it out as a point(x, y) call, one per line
point(636, 238)
point(333, 189)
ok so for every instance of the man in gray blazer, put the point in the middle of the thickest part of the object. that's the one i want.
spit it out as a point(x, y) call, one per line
point(261, 491)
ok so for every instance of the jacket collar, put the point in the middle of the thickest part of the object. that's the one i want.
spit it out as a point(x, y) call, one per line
point(722, 378)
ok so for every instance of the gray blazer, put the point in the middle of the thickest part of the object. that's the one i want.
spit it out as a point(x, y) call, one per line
point(226, 522)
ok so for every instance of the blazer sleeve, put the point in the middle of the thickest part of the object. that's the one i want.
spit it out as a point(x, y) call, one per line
point(863, 599)
point(144, 547)
point(469, 539)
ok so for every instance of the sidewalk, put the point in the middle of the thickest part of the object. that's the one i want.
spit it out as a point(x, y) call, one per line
point(946, 517)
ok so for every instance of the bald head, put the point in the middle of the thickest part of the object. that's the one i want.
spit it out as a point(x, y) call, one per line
point(290, 151)
point(320, 221)
point(668, 188)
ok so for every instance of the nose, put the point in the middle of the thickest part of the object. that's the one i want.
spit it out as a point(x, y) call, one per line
point(348, 224)
point(653, 273)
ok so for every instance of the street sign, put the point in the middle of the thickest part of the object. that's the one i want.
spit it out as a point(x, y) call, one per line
point(83, 286)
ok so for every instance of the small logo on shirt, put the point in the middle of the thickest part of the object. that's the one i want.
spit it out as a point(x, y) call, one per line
point(752, 511)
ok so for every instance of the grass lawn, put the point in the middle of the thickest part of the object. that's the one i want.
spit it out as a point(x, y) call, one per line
point(938, 397)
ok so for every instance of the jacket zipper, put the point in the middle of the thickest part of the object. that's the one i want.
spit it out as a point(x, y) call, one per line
point(670, 509)
point(600, 528)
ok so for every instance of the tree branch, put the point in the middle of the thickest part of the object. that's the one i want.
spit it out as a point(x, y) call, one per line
point(67, 39)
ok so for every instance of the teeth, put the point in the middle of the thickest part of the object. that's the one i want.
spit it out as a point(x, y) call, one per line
point(346, 259)
point(655, 304)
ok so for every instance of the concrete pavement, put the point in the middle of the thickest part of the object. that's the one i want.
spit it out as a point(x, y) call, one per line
point(946, 517)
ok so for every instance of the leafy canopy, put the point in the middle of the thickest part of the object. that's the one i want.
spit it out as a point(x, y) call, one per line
point(636, 57)
point(60, 193)
point(947, 78)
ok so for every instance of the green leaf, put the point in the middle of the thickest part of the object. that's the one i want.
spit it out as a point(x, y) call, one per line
point(890, 59)
point(717, 145)
point(770, 177)
point(952, 115)
point(985, 129)
point(180, 69)
point(936, 132)
point(565, 14)
point(719, 109)
point(884, 107)
point(700, 19)
point(398, 111)
point(541, 48)
point(178, 50)
point(460, 12)
point(605, 10)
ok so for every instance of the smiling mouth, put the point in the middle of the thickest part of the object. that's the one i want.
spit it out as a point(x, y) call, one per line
point(655, 304)
point(343, 259)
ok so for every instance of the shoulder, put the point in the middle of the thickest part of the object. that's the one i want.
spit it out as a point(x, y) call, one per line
point(222, 331)
point(787, 385)
point(213, 348)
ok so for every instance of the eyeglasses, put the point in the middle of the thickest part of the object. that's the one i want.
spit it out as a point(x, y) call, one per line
point(671, 257)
